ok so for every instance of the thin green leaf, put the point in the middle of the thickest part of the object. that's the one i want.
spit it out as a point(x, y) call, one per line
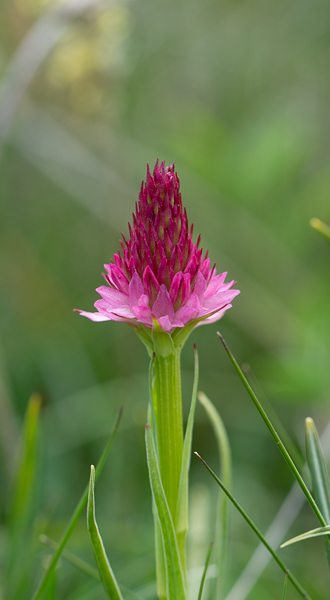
point(24, 485)
point(319, 475)
point(222, 525)
point(254, 528)
point(174, 575)
point(318, 469)
point(285, 585)
point(71, 558)
point(321, 228)
point(18, 553)
point(208, 556)
point(79, 509)
point(274, 434)
point(182, 507)
point(108, 579)
point(309, 534)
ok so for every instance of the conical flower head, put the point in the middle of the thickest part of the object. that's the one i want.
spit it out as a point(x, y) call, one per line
point(160, 277)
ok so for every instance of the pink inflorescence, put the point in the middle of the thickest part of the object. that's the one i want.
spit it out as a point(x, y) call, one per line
point(160, 275)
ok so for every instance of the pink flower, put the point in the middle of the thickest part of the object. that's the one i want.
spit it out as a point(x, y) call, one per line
point(160, 275)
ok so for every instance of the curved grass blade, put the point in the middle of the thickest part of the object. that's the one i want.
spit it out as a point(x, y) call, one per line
point(174, 574)
point(319, 475)
point(108, 579)
point(71, 558)
point(182, 506)
point(79, 509)
point(254, 528)
point(321, 228)
point(222, 525)
point(207, 561)
point(18, 553)
point(285, 585)
point(275, 435)
point(319, 531)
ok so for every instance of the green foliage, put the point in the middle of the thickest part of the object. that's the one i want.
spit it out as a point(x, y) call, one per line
point(108, 579)
point(222, 524)
point(175, 585)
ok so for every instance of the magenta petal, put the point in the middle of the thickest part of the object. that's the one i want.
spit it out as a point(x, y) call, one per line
point(93, 316)
point(143, 314)
point(216, 316)
point(190, 311)
point(117, 278)
point(175, 287)
point(165, 323)
point(218, 300)
point(215, 284)
point(135, 290)
point(163, 305)
point(112, 297)
point(200, 285)
point(117, 313)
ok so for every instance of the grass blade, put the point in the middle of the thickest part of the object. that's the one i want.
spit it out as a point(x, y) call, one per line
point(222, 526)
point(71, 558)
point(309, 534)
point(20, 517)
point(319, 475)
point(275, 435)
point(254, 528)
point(76, 515)
point(208, 556)
point(321, 228)
point(182, 507)
point(285, 585)
point(108, 579)
point(175, 578)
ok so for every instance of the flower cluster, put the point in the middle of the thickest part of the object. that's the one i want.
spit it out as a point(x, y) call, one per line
point(160, 275)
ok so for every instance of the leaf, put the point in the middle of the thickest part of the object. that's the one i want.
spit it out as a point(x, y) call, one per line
point(182, 507)
point(75, 517)
point(319, 475)
point(321, 228)
point(254, 528)
point(18, 553)
point(306, 536)
point(24, 485)
point(285, 585)
point(108, 579)
point(222, 526)
point(274, 434)
point(71, 558)
point(174, 574)
point(208, 556)
point(318, 469)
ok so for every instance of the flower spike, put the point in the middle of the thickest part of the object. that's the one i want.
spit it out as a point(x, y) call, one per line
point(160, 275)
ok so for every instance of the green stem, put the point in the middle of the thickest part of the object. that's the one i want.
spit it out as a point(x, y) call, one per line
point(168, 412)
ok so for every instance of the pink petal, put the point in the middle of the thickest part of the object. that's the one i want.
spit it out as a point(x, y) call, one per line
point(200, 285)
point(163, 305)
point(112, 297)
point(143, 314)
point(215, 284)
point(165, 323)
point(135, 290)
point(117, 313)
point(117, 278)
point(219, 300)
point(189, 311)
point(93, 316)
point(215, 317)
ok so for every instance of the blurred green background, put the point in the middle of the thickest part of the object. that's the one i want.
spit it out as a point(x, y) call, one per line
point(237, 95)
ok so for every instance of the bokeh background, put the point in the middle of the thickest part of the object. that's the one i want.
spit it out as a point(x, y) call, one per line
point(237, 95)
